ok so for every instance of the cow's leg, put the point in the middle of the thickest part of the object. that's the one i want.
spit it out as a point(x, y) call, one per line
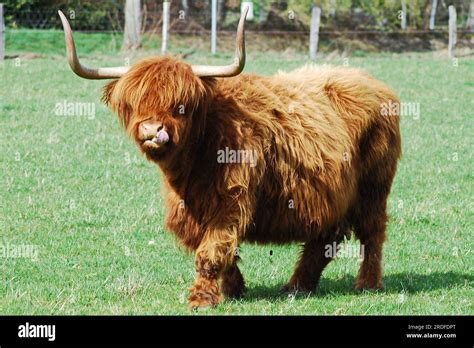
point(214, 255)
point(233, 284)
point(314, 259)
point(370, 223)
point(370, 219)
point(371, 232)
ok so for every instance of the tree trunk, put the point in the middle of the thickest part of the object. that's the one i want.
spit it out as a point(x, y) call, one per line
point(131, 35)
point(470, 16)
point(426, 14)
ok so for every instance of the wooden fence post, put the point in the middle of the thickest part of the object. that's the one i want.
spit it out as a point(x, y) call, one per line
point(332, 8)
point(314, 34)
point(166, 26)
point(214, 27)
point(452, 31)
point(2, 34)
point(261, 14)
point(403, 20)
point(434, 5)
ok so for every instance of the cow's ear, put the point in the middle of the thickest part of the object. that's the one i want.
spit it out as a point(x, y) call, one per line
point(107, 92)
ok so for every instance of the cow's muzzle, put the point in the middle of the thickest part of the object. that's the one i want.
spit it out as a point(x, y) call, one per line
point(153, 134)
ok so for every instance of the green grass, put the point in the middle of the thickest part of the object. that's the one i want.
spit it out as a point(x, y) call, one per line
point(77, 189)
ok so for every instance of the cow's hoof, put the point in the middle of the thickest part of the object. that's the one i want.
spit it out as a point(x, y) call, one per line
point(204, 294)
point(368, 284)
point(233, 290)
point(199, 308)
point(233, 283)
point(293, 289)
point(202, 301)
point(288, 289)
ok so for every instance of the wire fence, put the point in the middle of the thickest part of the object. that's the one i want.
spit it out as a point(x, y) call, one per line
point(188, 17)
point(270, 18)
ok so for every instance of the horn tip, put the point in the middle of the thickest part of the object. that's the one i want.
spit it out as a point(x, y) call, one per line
point(246, 11)
point(62, 16)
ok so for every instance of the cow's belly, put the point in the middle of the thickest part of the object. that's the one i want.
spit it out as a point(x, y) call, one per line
point(263, 235)
point(276, 222)
point(273, 224)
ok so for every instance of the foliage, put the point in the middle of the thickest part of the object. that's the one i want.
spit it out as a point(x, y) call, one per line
point(349, 14)
point(43, 13)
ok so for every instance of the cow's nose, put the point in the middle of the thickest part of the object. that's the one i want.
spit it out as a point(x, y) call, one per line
point(148, 129)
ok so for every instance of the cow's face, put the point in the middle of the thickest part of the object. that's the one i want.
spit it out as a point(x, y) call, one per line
point(160, 102)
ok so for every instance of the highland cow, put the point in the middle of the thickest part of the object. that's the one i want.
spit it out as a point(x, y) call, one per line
point(320, 160)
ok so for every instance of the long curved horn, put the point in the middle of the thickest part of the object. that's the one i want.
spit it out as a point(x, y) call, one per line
point(239, 60)
point(116, 72)
point(81, 70)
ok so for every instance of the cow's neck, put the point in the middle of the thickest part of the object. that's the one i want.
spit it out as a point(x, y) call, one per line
point(196, 160)
point(180, 170)
point(177, 171)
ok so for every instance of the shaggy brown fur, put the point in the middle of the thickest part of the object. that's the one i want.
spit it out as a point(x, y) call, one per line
point(326, 158)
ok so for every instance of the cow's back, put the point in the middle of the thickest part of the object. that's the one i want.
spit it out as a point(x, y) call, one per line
point(319, 117)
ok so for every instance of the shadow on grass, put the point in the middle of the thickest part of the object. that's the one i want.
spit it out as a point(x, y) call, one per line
point(410, 283)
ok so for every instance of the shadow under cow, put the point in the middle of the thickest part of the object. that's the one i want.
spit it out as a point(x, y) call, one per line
point(410, 283)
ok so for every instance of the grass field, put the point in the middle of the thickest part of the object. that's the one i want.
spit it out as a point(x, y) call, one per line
point(77, 190)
